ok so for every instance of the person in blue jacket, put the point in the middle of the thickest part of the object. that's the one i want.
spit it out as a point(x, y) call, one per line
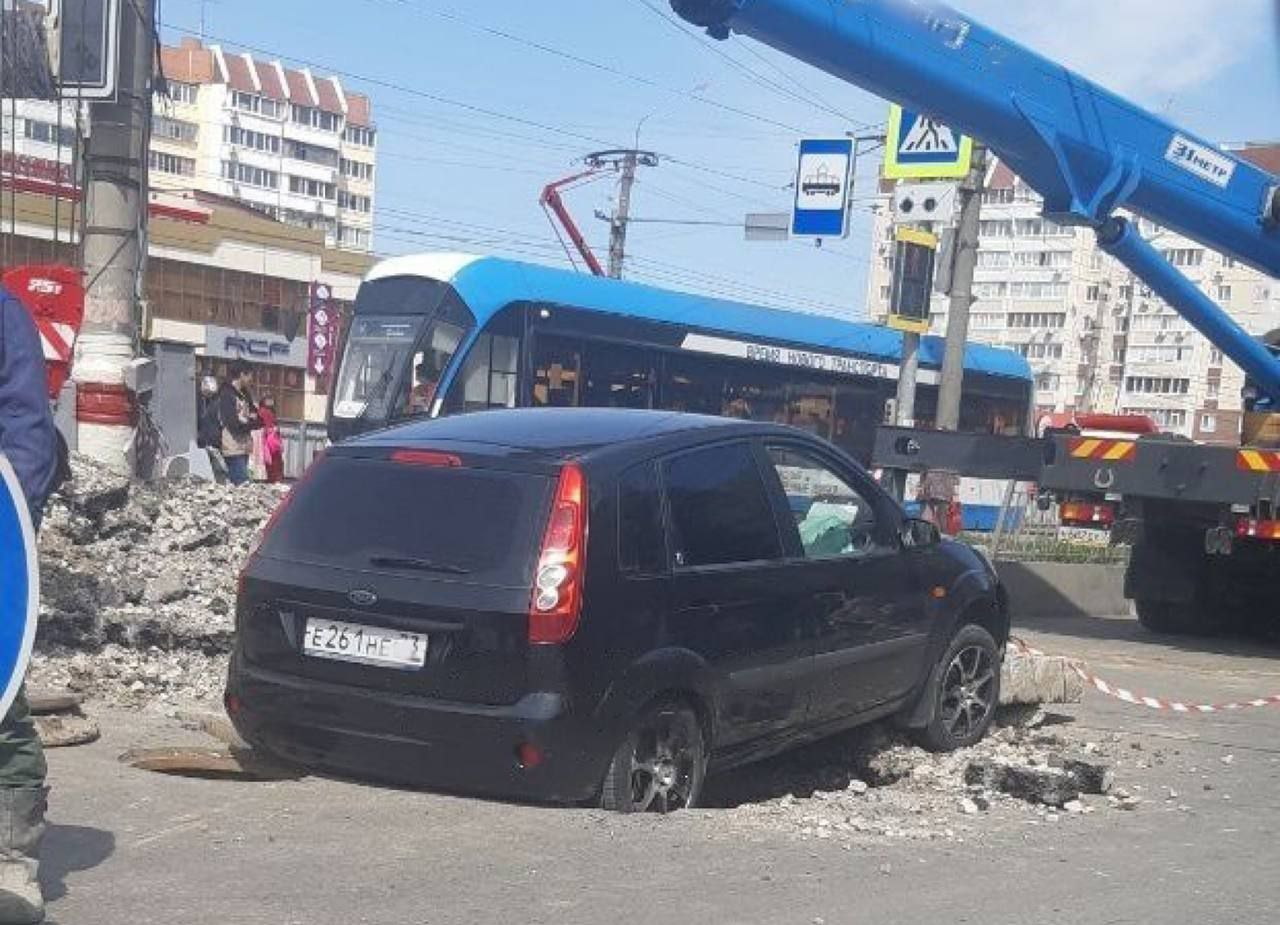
point(29, 441)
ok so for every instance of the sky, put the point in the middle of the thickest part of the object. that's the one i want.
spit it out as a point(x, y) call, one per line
point(479, 105)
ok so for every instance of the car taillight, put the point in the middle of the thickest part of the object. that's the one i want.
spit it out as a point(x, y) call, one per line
point(1082, 512)
point(426, 458)
point(556, 603)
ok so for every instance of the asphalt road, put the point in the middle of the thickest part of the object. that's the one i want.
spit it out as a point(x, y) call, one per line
point(128, 846)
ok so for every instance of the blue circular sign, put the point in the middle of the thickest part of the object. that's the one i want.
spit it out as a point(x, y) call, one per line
point(19, 586)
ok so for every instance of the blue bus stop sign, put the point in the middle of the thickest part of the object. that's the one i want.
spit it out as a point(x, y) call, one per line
point(19, 586)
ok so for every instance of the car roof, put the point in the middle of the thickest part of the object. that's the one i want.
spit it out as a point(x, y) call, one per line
point(559, 432)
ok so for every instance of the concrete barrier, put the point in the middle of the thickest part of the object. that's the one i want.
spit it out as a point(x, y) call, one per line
point(1059, 589)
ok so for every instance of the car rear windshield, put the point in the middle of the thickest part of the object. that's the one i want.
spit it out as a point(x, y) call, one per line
point(462, 524)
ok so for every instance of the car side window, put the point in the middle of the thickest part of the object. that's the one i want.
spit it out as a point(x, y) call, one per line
point(719, 508)
point(642, 546)
point(834, 519)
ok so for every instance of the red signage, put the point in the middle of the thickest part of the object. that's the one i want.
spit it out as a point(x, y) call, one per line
point(322, 334)
point(54, 295)
point(38, 175)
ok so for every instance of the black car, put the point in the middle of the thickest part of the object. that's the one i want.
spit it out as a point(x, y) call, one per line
point(572, 605)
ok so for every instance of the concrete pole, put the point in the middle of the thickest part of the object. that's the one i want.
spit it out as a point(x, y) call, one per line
point(966, 260)
point(906, 415)
point(114, 250)
point(622, 216)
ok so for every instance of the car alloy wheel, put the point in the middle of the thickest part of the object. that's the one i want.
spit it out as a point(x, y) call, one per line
point(968, 691)
point(660, 766)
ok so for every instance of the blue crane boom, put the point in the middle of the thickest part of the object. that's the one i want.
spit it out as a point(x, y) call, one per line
point(1085, 150)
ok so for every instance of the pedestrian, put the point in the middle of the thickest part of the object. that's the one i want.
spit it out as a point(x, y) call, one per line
point(239, 418)
point(29, 441)
point(272, 442)
point(426, 380)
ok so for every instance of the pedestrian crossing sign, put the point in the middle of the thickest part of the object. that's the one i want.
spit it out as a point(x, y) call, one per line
point(922, 148)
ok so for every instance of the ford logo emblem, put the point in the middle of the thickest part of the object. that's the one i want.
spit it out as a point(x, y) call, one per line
point(362, 597)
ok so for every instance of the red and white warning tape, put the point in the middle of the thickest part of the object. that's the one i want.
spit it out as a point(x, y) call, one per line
point(1142, 700)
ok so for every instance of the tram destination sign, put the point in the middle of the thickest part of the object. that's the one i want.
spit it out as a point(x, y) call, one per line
point(795, 358)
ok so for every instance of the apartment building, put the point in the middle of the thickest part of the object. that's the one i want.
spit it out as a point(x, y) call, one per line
point(298, 147)
point(1097, 339)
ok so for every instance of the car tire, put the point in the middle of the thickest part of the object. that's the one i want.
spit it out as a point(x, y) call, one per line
point(660, 764)
point(1173, 617)
point(965, 687)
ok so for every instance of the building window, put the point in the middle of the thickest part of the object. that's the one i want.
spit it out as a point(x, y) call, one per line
point(1185, 256)
point(1036, 320)
point(1215, 356)
point(886, 293)
point(312, 154)
point(1208, 423)
point(1261, 293)
point(247, 138)
point(1093, 293)
point(990, 290)
point(1040, 351)
point(1038, 291)
point(998, 197)
point(171, 163)
point(1165, 418)
point(49, 133)
point(357, 170)
point(1046, 259)
point(1047, 382)
point(353, 237)
point(250, 175)
point(993, 260)
point(182, 93)
point(1157, 385)
point(252, 102)
point(996, 228)
point(316, 189)
point(1224, 292)
point(173, 129)
point(358, 135)
point(315, 118)
point(354, 202)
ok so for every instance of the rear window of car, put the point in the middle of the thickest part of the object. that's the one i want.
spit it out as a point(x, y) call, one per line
point(461, 524)
point(720, 511)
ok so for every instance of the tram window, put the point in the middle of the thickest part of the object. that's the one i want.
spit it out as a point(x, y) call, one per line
point(488, 379)
point(616, 377)
point(755, 393)
point(859, 410)
point(557, 366)
point(692, 385)
point(809, 407)
point(429, 363)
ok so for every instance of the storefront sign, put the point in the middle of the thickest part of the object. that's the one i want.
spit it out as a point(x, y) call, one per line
point(254, 346)
point(799, 359)
point(322, 333)
point(37, 174)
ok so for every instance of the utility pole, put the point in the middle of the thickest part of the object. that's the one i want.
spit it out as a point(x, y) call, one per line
point(965, 261)
point(626, 162)
point(114, 249)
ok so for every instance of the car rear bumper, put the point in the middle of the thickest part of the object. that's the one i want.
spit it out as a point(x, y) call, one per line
point(465, 748)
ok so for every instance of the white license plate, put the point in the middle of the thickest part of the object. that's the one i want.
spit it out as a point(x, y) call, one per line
point(351, 642)
point(1085, 536)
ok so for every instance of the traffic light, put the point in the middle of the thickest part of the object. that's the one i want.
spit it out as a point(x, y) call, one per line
point(912, 280)
point(84, 39)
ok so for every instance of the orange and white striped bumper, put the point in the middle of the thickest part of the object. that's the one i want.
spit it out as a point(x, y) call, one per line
point(1105, 450)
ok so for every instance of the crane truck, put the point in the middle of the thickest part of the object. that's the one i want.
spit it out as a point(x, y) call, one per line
point(1204, 521)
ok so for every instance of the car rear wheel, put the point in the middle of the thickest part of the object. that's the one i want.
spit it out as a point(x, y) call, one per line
point(660, 765)
point(1173, 617)
point(966, 690)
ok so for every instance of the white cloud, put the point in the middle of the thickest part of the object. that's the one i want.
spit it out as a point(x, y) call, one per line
point(1146, 49)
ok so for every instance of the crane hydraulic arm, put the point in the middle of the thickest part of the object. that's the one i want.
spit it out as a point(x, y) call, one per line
point(1087, 151)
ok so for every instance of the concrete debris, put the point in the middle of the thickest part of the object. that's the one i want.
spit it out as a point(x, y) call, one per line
point(137, 583)
point(63, 729)
point(908, 793)
point(1036, 679)
point(45, 702)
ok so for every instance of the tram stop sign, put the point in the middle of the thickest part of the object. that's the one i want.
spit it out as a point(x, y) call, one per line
point(19, 586)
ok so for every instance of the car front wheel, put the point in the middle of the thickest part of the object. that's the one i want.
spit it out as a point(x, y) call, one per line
point(966, 689)
point(660, 765)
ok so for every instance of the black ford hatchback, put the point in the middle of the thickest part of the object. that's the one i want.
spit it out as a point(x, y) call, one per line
point(578, 605)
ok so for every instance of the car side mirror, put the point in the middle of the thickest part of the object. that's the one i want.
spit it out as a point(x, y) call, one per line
point(917, 533)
